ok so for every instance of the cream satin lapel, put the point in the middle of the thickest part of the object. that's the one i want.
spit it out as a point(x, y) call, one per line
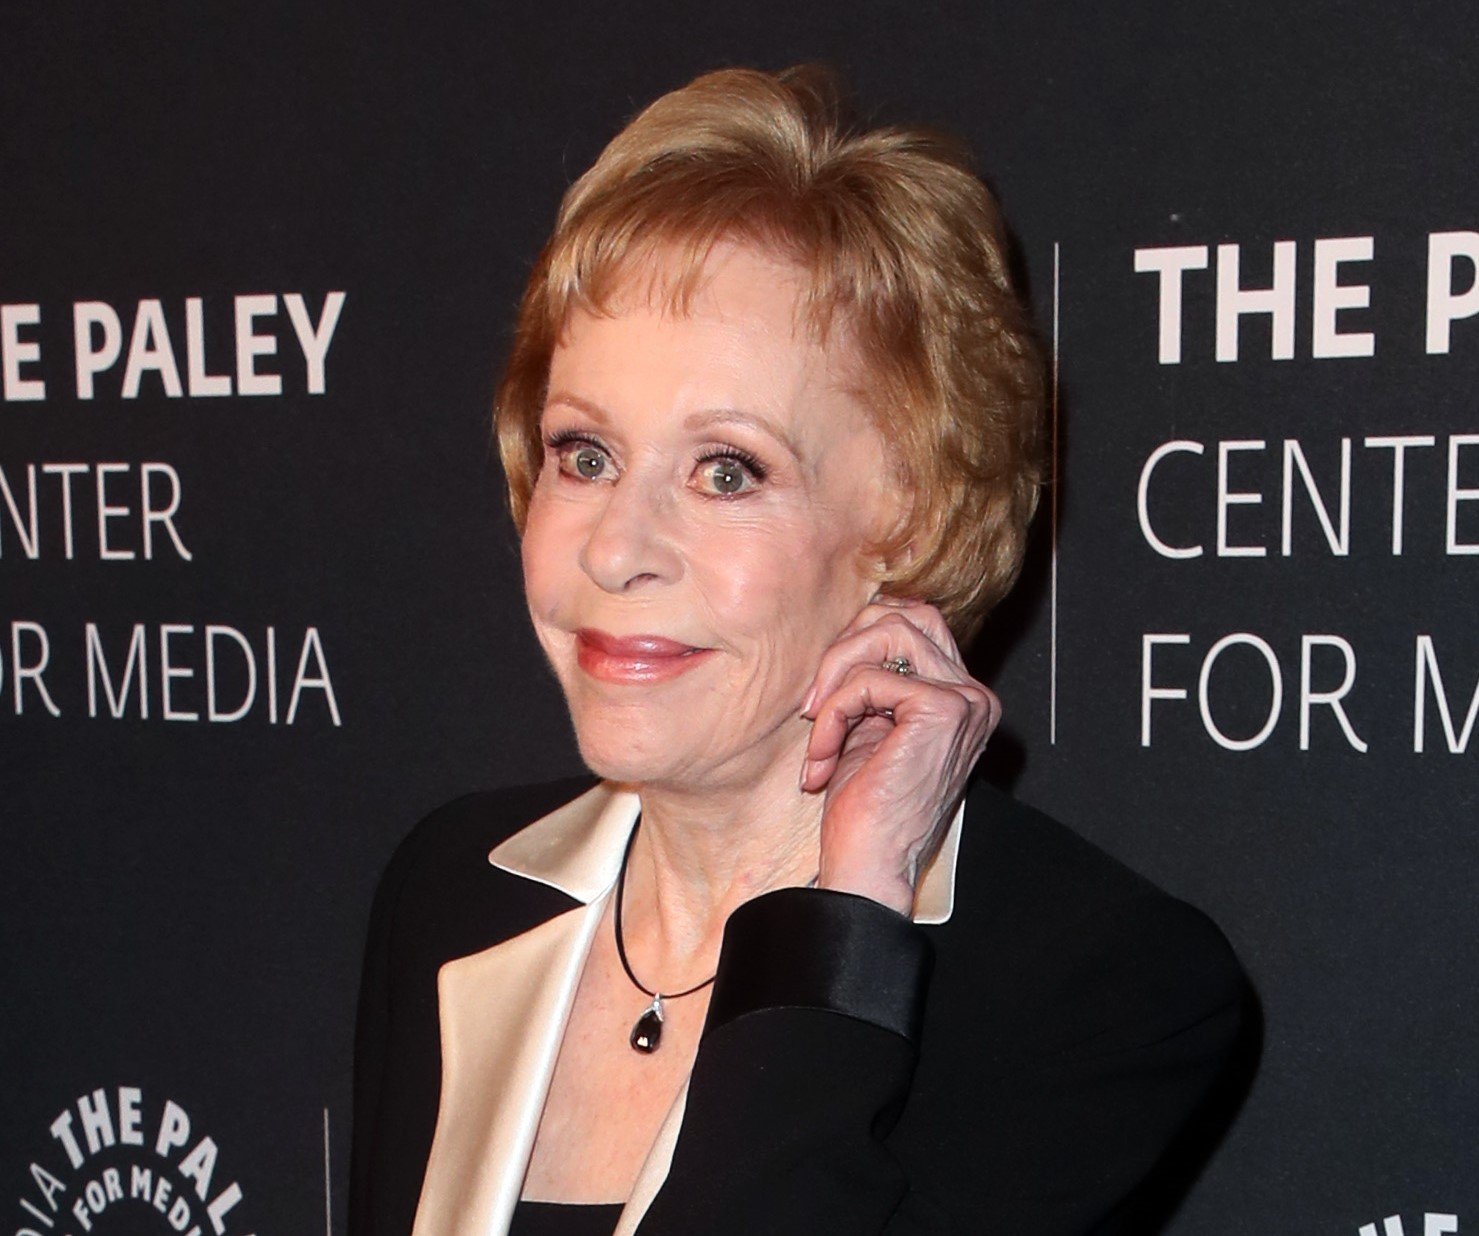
point(503, 1014)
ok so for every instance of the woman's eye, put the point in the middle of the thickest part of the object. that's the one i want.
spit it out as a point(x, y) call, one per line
point(726, 475)
point(589, 462)
point(583, 459)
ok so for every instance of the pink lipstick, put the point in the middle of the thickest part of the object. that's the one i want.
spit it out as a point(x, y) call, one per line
point(634, 658)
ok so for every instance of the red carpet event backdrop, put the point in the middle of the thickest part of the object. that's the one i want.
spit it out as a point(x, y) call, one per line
point(260, 605)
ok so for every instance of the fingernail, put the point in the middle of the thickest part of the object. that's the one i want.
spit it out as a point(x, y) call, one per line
point(809, 702)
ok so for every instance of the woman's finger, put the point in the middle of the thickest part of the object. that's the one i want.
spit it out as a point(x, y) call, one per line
point(921, 614)
point(929, 620)
point(961, 713)
point(888, 637)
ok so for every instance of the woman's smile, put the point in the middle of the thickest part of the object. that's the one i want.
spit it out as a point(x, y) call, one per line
point(635, 658)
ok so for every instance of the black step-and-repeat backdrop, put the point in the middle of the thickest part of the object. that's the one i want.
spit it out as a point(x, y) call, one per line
point(260, 606)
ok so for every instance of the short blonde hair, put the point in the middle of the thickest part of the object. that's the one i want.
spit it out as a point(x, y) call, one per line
point(893, 231)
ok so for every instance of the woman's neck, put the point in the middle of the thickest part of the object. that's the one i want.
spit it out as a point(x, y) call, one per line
point(701, 854)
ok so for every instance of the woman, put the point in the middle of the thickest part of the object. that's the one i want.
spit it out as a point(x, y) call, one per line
point(771, 428)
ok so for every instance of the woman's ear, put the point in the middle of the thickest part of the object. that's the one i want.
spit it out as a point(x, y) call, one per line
point(885, 567)
point(896, 527)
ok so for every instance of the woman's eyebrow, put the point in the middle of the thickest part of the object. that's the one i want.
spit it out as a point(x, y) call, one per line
point(734, 416)
point(594, 410)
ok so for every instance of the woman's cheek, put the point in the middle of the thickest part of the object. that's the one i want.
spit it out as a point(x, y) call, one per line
point(783, 583)
point(547, 551)
point(747, 574)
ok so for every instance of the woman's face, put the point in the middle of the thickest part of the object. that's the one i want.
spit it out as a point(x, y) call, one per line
point(694, 540)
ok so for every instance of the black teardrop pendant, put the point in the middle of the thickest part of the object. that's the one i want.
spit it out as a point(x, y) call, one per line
point(647, 1033)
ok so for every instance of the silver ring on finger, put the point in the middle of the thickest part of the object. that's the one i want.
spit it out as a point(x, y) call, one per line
point(899, 665)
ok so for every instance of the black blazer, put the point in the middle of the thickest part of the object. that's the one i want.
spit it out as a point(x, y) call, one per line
point(1022, 1067)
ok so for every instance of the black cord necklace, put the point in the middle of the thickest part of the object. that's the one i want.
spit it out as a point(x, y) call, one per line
point(646, 1034)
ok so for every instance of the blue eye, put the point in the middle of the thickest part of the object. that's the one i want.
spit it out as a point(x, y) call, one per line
point(728, 473)
point(726, 476)
point(589, 462)
point(579, 456)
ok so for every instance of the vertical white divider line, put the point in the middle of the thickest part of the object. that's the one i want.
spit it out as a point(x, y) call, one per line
point(328, 1205)
point(1053, 475)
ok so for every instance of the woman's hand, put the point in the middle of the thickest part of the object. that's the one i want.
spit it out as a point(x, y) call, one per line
point(891, 751)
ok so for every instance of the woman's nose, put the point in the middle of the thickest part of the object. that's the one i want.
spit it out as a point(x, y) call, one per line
point(630, 543)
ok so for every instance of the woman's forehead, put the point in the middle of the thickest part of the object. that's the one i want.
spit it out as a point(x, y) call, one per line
point(734, 355)
point(679, 278)
point(745, 313)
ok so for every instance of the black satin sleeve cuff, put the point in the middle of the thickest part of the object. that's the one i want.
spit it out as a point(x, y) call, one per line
point(823, 949)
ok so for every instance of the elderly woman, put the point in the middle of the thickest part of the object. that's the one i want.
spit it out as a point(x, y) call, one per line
point(771, 430)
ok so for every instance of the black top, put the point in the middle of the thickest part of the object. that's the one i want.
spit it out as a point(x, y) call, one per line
point(1040, 1063)
point(564, 1219)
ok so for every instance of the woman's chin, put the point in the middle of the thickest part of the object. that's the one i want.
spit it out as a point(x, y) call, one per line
point(672, 749)
point(629, 754)
point(680, 754)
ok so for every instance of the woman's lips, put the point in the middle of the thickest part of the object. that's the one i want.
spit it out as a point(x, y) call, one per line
point(634, 658)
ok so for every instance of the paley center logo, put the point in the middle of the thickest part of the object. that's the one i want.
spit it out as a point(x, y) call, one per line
point(1429, 1224)
point(117, 1155)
